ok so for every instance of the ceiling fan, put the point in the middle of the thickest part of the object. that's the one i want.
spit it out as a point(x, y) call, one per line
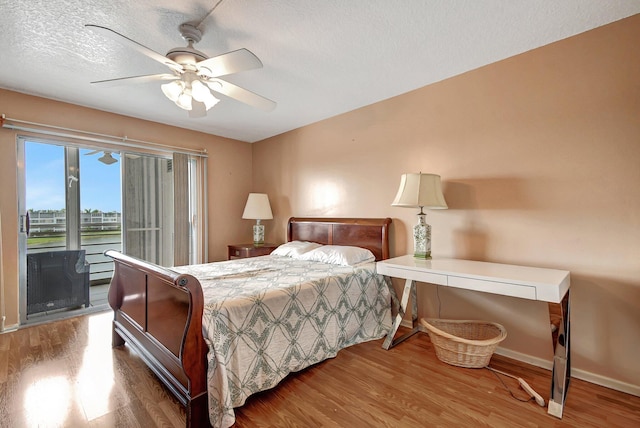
point(106, 158)
point(193, 74)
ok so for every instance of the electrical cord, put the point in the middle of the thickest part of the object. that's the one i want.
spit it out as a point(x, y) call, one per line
point(533, 394)
point(524, 400)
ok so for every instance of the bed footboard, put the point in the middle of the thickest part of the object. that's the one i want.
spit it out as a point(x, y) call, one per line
point(158, 313)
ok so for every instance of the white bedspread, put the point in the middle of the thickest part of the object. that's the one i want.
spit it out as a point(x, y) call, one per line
point(266, 317)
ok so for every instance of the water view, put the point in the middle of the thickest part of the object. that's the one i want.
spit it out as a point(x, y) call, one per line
point(99, 232)
point(91, 186)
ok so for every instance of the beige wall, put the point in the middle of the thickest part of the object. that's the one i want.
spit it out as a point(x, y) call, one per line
point(229, 173)
point(540, 160)
point(539, 156)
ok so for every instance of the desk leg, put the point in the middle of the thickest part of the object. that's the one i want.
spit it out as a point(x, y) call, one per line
point(409, 291)
point(561, 362)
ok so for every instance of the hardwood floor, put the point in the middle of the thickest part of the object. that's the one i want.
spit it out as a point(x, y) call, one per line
point(98, 303)
point(65, 374)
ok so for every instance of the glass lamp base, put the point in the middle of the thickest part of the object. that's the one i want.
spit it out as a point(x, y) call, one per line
point(258, 234)
point(422, 238)
point(422, 256)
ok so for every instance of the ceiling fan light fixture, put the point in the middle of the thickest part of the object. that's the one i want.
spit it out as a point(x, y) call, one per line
point(209, 100)
point(107, 159)
point(184, 100)
point(198, 90)
point(202, 94)
point(172, 90)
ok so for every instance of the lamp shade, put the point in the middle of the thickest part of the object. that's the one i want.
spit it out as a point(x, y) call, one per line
point(172, 90)
point(420, 190)
point(189, 88)
point(257, 207)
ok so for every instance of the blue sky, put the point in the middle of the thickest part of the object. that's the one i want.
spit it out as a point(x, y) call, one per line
point(44, 165)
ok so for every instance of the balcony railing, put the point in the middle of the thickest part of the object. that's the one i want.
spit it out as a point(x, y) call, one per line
point(94, 243)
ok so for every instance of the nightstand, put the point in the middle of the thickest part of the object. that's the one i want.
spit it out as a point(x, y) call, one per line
point(241, 251)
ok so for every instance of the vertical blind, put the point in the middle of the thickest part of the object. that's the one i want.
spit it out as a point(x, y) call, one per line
point(181, 227)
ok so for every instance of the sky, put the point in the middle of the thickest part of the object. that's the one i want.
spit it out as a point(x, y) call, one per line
point(44, 166)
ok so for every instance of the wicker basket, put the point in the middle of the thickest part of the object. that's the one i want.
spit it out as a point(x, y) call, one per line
point(464, 343)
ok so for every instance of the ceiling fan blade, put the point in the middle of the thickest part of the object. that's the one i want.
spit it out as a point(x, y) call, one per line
point(135, 45)
point(198, 109)
point(229, 63)
point(92, 152)
point(136, 79)
point(240, 94)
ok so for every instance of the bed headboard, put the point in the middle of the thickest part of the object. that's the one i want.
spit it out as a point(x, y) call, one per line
point(369, 233)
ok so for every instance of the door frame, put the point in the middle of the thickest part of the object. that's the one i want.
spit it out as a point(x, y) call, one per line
point(198, 191)
point(71, 157)
point(23, 221)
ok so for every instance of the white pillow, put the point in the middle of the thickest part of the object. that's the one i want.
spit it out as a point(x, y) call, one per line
point(294, 248)
point(339, 255)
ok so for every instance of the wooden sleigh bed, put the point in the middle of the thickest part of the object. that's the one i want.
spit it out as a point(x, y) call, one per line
point(159, 312)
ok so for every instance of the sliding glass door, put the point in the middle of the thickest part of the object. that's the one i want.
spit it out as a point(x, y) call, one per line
point(76, 202)
point(148, 208)
point(71, 201)
point(70, 209)
point(96, 212)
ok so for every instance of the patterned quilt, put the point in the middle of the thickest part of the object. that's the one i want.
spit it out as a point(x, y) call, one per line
point(268, 316)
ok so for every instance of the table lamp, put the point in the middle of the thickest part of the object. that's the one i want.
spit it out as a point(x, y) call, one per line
point(257, 208)
point(424, 191)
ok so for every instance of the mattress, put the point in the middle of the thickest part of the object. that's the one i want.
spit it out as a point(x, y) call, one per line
point(265, 317)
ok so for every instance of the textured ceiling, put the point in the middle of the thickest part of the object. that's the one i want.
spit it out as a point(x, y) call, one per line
point(321, 58)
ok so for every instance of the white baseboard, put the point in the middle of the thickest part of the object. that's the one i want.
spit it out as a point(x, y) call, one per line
point(525, 358)
point(606, 382)
point(594, 378)
point(12, 327)
point(576, 373)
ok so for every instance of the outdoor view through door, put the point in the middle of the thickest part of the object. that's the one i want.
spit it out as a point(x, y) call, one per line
point(77, 202)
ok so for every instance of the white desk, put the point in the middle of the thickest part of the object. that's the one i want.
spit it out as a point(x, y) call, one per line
point(548, 285)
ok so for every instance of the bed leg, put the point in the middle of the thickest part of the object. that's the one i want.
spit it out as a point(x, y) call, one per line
point(116, 339)
point(198, 412)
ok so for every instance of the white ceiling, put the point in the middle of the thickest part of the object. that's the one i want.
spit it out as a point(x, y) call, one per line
point(321, 57)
